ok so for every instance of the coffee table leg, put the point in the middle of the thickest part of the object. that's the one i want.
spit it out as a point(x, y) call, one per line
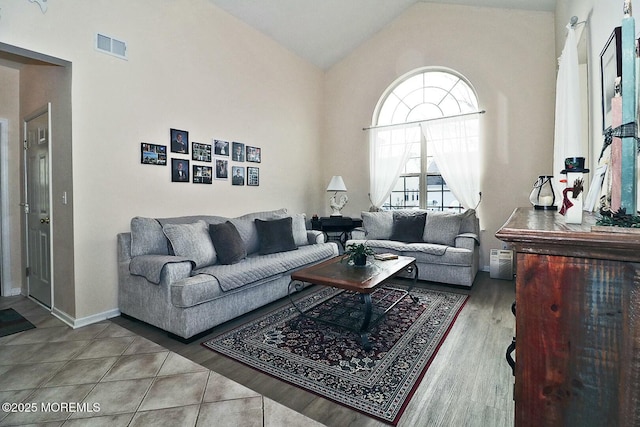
point(415, 280)
point(364, 329)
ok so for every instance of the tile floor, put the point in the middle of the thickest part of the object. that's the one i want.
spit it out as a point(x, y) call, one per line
point(108, 376)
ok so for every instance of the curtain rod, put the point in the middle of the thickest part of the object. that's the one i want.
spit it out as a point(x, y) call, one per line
point(422, 121)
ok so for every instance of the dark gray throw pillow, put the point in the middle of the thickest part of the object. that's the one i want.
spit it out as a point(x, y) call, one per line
point(228, 243)
point(408, 226)
point(275, 235)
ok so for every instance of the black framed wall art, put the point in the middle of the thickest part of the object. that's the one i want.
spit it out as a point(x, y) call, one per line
point(179, 170)
point(179, 141)
point(201, 152)
point(202, 174)
point(253, 176)
point(153, 154)
point(254, 154)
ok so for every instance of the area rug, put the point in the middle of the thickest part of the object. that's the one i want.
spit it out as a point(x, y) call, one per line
point(330, 361)
point(11, 322)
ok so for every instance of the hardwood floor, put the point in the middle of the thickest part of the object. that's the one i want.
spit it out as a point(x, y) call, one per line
point(468, 384)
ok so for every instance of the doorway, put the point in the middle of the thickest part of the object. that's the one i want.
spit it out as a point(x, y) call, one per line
point(37, 206)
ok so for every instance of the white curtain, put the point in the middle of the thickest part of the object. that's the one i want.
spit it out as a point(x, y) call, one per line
point(389, 149)
point(455, 145)
point(567, 137)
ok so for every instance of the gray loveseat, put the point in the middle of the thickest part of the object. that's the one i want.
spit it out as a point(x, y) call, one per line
point(445, 245)
point(171, 274)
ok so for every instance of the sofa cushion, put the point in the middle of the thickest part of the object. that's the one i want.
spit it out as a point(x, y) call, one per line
point(408, 226)
point(256, 267)
point(227, 242)
point(442, 228)
point(378, 225)
point(246, 227)
point(299, 228)
point(275, 235)
point(147, 237)
point(191, 241)
point(424, 253)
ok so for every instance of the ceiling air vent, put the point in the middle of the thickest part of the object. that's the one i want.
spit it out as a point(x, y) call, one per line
point(107, 44)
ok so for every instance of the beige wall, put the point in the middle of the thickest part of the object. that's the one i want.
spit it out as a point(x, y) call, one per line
point(193, 67)
point(508, 56)
point(10, 110)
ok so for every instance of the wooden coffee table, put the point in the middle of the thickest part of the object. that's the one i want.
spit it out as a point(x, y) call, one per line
point(362, 283)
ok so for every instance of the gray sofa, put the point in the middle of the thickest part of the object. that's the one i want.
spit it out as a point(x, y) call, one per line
point(445, 245)
point(171, 274)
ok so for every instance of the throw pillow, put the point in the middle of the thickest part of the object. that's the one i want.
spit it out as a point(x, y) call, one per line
point(299, 228)
point(442, 229)
point(378, 225)
point(408, 226)
point(191, 241)
point(247, 228)
point(227, 243)
point(275, 235)
point(147, 237)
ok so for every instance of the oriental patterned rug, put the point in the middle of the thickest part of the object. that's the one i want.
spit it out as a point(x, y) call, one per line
point(330, 361)
point(12, 322)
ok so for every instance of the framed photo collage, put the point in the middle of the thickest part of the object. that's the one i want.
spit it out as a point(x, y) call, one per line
point(221, 160)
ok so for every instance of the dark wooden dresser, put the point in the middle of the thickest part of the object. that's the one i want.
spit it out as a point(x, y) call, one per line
point(577, 357)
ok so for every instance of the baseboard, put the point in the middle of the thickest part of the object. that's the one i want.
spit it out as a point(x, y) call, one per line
point(13, 292)
point(486, 269)
point(78, 323)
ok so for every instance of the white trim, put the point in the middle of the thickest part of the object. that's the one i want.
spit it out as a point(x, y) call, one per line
point(85, 321)
point(5, 267)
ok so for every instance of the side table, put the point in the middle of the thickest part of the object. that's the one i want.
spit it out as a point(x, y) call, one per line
point(339, 226)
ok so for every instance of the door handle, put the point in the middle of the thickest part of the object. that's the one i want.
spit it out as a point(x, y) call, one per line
point(44, 220)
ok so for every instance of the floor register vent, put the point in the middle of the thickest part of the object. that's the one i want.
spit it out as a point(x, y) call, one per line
point(501, 264)
point(108, 44)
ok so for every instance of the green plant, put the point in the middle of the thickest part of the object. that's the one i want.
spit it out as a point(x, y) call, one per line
point(619, 219)
point(357, 252)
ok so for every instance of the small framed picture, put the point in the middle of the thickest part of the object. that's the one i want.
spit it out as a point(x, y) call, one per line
point(222, 169)
point(253, 154)
point(201, 152)
point(220, 148)
point(237, 148)
point(202, 174)
point(179, 141)
point(237, 175)
point(253, 176)
point(611, 68)
point(153, 154)
point(179, 170)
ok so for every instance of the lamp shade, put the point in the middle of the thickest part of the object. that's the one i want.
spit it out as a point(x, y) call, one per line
point(336, 184)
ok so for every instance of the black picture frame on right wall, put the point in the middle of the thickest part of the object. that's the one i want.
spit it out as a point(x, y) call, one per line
point(610, 69)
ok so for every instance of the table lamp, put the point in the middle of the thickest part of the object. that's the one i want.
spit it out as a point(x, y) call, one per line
point(337, 185)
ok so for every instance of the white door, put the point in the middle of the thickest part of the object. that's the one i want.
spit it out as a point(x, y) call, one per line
point(37, 208)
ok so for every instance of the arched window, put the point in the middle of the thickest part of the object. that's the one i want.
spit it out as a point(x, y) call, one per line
point(424, 94)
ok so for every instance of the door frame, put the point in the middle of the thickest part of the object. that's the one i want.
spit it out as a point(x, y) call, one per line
point(5, 244)
point(40, 111)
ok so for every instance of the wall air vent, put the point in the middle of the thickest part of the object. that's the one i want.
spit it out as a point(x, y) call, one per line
point(107, 44)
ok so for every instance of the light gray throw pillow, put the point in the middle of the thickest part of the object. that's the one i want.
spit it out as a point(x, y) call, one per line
point(191, 241)
point(298, 227)
point(442, 229)
point(378, 225)
point(147, 237)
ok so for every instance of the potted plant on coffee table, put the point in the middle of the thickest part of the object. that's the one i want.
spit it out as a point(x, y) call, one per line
point(357, 253)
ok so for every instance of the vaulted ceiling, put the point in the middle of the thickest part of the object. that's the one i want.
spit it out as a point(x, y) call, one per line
point(325, 31)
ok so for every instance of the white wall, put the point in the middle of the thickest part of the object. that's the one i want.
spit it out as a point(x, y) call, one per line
point(193, 67)
point(508, 56)
point(602, 16)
